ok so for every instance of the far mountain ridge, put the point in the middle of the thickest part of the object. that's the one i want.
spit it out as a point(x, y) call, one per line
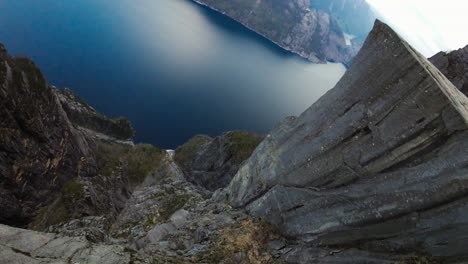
point(355, 17)
point(313, 31)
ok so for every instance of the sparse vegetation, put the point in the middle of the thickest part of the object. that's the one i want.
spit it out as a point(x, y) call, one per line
point(247, 238)
point(72, 191)
point(242, 144)
point(170, 203)
point(58, 212)
point(186, 153)
point(136, 162)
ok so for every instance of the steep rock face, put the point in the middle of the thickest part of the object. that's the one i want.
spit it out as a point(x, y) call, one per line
point(292, 25)
point(378, 163)
point(59, 158)
point(354, 16)
point(212, 162)
point(454, 65)
point(39, 148)
point(83, 115)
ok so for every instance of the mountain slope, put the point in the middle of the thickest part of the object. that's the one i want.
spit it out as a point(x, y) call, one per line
point(290, 24)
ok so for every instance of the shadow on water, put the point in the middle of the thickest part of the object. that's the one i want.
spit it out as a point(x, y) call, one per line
point(231, 26)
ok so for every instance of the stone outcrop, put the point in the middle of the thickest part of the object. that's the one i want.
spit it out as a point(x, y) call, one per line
point(292, 25)
point(212, 162)
point(25, 246)
point(454, 65)
point(83, 115)
point(378, 163)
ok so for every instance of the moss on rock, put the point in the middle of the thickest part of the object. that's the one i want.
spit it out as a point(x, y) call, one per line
point(59, 211)
point(168, 206)
point(72, 191)
point(247, 239)
point(136, 162)
point(242, 144)
point(186, 154)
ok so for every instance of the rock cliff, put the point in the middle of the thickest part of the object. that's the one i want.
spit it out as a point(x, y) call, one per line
point(292, 25)
point(40, 150)
point(378, 163)
point(59, 158)
point(376, 171)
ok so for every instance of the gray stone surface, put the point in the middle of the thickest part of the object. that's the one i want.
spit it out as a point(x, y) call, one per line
point(304, 255)
point(379, 161)
point(212, 162)
point(18, 246)
point(180, 218)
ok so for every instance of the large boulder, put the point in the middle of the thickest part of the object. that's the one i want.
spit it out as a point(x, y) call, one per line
point(212, 162)
point(378, 163)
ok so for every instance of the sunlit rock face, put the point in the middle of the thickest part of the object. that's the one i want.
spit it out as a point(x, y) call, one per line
point(379, 161)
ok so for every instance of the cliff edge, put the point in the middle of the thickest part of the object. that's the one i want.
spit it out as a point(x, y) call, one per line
point(378, 163)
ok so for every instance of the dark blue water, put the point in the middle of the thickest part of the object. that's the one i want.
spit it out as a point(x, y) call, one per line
point(175, 69)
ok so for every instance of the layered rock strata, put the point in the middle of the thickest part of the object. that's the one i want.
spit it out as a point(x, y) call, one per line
point(378, 163)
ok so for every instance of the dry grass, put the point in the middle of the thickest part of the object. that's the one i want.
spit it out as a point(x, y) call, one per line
point(245, 242)
point(136, 162)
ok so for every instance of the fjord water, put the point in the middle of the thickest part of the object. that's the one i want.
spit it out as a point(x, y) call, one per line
point(174, 68)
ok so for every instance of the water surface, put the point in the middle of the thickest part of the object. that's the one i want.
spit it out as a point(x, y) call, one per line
point(174, 68)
